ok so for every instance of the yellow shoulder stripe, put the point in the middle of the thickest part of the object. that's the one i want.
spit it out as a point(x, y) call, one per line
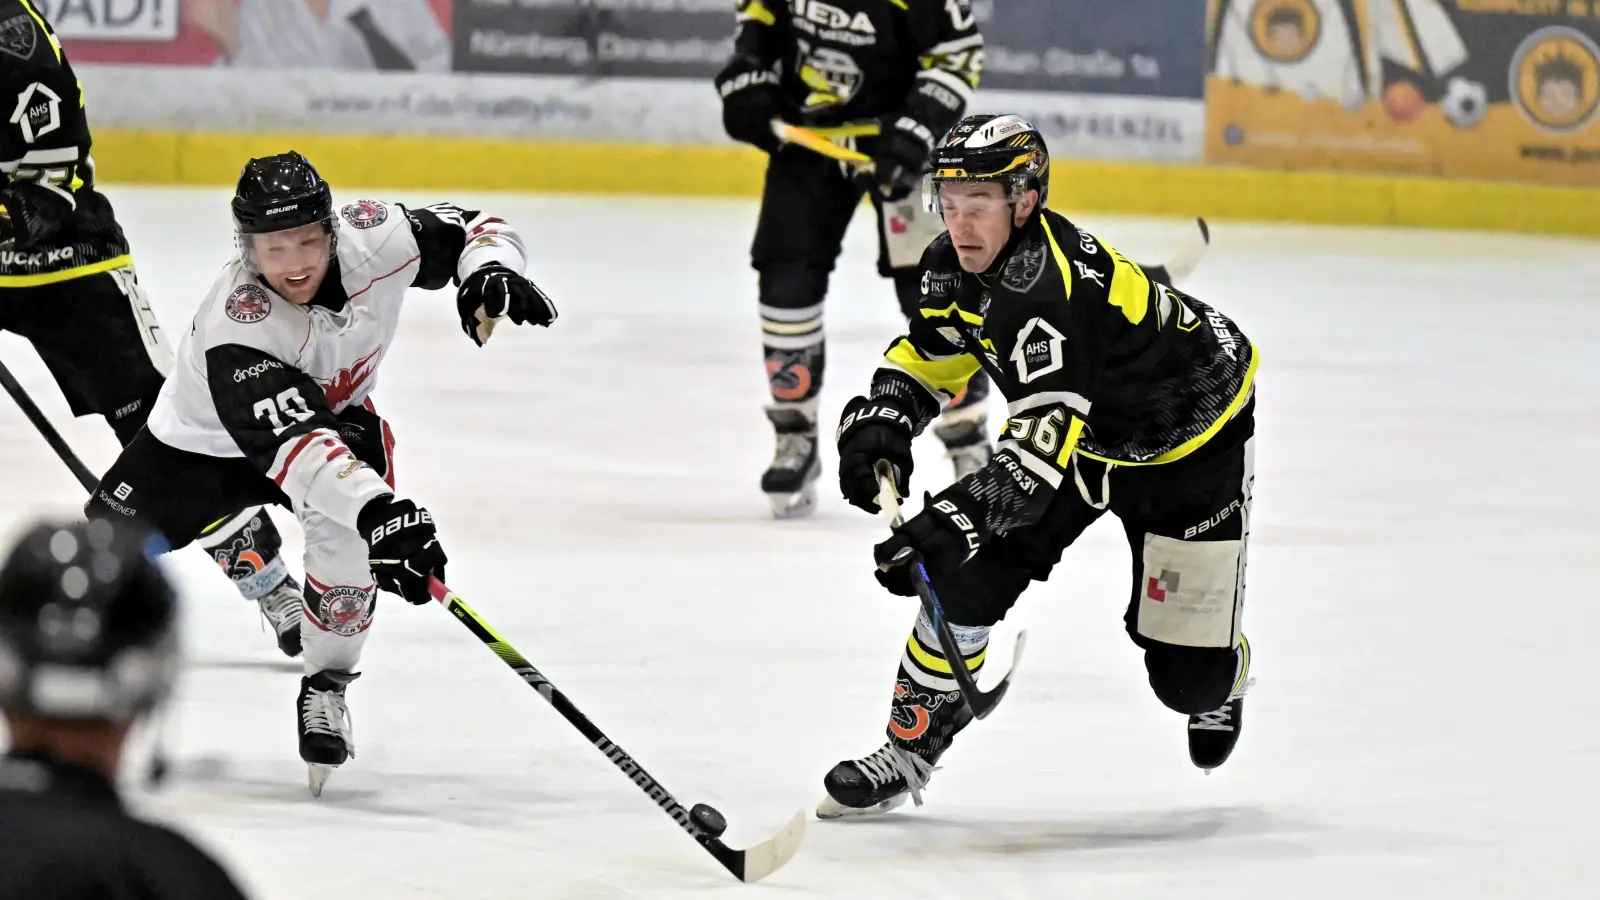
point(952, 310)
point(1061, 258)
point(758, 11)
point(54, 44)
point(1130, 287)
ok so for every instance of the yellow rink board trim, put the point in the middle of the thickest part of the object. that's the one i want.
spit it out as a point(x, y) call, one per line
point(403, 162)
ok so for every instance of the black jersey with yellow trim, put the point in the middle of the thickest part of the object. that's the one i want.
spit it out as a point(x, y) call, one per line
point(842, 61)
point(61, 227)
point(1093, 355)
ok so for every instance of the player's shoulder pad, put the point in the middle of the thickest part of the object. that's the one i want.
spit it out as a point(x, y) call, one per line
point(23, 38)
point(375, 242)
point(243, 310)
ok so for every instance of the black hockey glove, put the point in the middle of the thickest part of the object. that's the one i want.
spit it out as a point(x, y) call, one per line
point(750, 101)
point(33, 213)
point(900, 157)
point(494, 290)
point(944, 535)
point(871, 430)
point(402, 547)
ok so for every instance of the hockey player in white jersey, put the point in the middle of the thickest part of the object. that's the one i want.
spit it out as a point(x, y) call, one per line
point(270, 403)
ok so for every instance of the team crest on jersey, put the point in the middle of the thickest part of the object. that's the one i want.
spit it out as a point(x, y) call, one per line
point(248, 304)
point(1022, 271)
point(18, 37)
point(345, 610)
point(365, 214)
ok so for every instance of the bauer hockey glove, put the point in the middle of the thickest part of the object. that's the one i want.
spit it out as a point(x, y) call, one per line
point(900, 157)
point(402, 547)
point(944, 535)
point(750, 101)
point(493, 291)
point(871, 430)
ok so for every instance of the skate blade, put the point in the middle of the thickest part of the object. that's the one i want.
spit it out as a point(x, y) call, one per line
point(830, 808)
point(317, 776)
point(793, 506)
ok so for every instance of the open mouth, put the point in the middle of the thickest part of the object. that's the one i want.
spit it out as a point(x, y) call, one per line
point(297, 280)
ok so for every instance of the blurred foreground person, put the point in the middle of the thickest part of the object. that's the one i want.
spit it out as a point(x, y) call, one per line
point(88, 645)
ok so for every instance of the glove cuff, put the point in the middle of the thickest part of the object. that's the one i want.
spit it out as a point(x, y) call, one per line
point(958, 512)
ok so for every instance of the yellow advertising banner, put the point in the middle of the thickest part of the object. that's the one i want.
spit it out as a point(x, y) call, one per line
point(1491, 89)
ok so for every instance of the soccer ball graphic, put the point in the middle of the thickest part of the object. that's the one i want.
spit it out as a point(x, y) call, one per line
point(1465, 103)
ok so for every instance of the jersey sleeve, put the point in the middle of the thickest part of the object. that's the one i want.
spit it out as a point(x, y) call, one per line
point(44, 143)
point(755, 38)
point(453, 242)
point(951, 59)
point(930, 364)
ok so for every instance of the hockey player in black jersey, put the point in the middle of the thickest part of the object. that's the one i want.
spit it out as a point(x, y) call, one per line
point(904, 69)
point(1123, 394)
point(88, 645)
point(67, 284)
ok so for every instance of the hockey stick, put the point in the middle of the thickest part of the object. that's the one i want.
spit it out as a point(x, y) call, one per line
point(47, 430)
point(703, 823)
point(980, 702)
point(816, 143)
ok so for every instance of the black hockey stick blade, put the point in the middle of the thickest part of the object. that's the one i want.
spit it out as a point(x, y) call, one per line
point(702, 823)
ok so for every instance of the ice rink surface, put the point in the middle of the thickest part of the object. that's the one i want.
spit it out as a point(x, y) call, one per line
point(1423, 571)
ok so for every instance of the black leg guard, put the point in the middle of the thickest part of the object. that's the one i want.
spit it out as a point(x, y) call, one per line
point(1191, 680)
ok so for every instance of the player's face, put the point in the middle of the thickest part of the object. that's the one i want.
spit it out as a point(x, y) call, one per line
point(294, 261)
point(980, 221)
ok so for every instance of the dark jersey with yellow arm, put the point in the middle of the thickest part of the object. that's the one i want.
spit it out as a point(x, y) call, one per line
point(1093, 356)
point(56, 226)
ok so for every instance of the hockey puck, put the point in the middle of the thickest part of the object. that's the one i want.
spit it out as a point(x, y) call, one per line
point(708, 820)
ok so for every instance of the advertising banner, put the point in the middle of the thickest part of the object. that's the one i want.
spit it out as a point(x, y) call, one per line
point(1122, 80)
point(1494, 89)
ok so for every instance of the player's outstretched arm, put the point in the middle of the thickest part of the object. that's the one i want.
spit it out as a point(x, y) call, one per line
point(486, 257)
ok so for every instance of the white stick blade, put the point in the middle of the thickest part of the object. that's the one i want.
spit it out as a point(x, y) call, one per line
point(765, 858)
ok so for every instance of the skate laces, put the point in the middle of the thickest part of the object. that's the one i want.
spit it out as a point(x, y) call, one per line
point(281, 610)
point(890, 762)
point(325, 712)
point(1221, 718)
point(794, 449)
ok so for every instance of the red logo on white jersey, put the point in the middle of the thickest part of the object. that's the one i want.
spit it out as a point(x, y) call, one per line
point(341, 387)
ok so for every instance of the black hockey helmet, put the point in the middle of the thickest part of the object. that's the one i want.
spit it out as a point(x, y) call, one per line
point(1005, 149)
point(277, 193)
point(88, 622)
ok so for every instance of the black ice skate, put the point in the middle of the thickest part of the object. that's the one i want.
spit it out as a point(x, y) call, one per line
point(327, 737)
point(874, 784)
point(963, 427)
point(1213, 735)
point(281, 608)
point(921, 726)
point(790, 483)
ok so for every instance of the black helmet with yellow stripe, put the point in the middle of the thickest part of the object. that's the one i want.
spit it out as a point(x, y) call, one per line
point(1005, 149)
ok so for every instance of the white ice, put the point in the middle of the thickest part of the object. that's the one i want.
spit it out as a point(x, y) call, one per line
point(1422, 596)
